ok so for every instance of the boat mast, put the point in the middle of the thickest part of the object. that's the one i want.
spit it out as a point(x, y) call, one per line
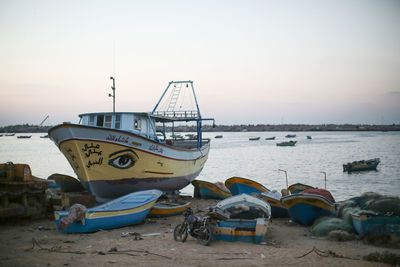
point(113, 94)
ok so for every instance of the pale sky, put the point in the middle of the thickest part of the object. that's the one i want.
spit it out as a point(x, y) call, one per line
point(252, 62)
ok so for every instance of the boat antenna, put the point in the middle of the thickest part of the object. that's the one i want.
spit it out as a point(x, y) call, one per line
point(113, 94)
point(325, 178)
point(287, 186)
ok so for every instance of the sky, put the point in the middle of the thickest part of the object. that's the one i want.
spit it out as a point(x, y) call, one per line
point(252, 62)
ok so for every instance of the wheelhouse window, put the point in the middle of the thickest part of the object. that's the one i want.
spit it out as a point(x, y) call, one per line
point(100, 120)
point(117, 121)
point(138, 124)
point(91, 120)
point(108, 121)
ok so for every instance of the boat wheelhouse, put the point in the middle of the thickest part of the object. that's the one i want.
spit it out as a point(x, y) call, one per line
point(116, 153)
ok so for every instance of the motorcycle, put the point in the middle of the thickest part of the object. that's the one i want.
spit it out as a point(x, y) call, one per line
point(199, 228)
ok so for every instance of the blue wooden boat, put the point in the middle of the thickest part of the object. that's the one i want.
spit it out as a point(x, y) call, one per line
point(126, 210)
point(361, 165)
point(369, 224)
point(204, 189)
point(305, 208)
point(238, 185)
point(278, 210)
point(244, 218)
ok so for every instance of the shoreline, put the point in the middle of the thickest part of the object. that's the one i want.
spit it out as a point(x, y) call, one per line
point(38, 243)
point(243, 128)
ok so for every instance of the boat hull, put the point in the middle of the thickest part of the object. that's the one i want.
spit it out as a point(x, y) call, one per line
point(252, 231)
point(111, 163)
point(278, 210)
point(127, 210)
point(205, 189)
point(168, 209)
point(376, 225)
point(238, 185)
point(306, 208)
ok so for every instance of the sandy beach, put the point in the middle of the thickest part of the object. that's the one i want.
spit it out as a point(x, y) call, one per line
point(38, 243)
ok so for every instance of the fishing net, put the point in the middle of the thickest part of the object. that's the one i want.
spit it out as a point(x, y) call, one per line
point(371, 203)
point(324, 225)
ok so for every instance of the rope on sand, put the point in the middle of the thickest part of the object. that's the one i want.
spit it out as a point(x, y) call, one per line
point(328, 253)
point(53, 249)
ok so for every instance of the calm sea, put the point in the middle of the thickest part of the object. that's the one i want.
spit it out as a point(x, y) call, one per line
point(235, 155)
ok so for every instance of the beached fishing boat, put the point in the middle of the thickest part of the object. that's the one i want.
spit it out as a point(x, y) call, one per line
point(278, 210)
point(204, 189)
point(298, 187)
point(66, 183)
point(116, 153)
point(362, 165)
point(126, 210)
point(309, 205)
point(287, 143)
point(371, 224)
point(238, 185)
point(242, 218)
point(168, 208)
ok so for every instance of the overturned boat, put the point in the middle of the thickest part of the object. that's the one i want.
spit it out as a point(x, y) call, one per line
point(116, 153)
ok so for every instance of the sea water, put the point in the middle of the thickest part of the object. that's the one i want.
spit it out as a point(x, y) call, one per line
point(262, 160)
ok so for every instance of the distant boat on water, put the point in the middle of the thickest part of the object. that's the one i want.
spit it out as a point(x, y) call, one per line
point(309, 137)
point(9, 134)
point(362, 165)
point(218, 136)
point(288, 143)
point(254, 138)
point(270, 138)
point(290, 136)
point(24, 136)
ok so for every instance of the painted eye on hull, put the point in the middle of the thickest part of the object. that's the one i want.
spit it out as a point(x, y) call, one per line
point(122, 162)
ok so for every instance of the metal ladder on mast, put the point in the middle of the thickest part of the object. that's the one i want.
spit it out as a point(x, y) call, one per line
point(176, 90)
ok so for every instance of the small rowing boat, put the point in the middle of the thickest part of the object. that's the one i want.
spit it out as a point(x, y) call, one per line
point(239, 185)
point(126, 210)
point(168, 208)
point(204, 189)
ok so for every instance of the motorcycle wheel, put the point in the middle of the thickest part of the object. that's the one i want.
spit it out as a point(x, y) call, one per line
point(180, 232)
point(205, 235)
